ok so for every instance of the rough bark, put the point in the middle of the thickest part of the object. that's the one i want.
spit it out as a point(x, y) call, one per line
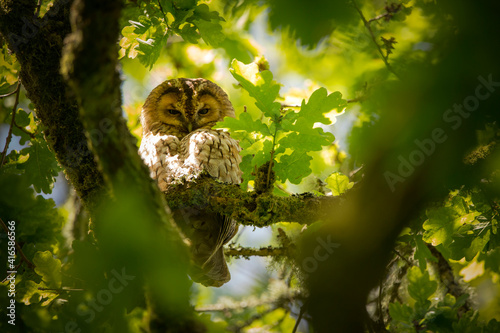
point(81, 115)
point(91, 67)
point(37, 44)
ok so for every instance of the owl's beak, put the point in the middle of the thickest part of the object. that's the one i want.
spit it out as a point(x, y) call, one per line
point(190, 127)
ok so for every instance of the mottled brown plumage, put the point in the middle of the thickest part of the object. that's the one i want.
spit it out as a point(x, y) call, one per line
point(178, 144)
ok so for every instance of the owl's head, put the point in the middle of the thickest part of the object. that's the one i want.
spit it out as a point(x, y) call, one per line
point(180, 106)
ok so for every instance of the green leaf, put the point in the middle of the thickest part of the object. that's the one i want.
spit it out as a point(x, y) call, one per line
point(401, 15)
point(247, 169)
point(48, 268)
point(190, 33)
point(401, 312)
point(41, 166)
point(491, 259)
point(260, 85)
point(129, 43)
point(467, 324)
point(244, 123)
point(338, 183)
point(22, 118)
point(439, 226)
point(210, 31)
point(468, 246)
point(38, 220)
point(310, 22)
point(293, 167)
point(492, 327)
point(185, 4)
point(422, 253)
point(203, 11)
point(320, 103)
point(308, 140)
point(420, 286)
point(150, 50)
point(239, 48)
point(261, 151)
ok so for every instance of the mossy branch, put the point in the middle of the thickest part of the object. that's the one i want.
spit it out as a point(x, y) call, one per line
point(246, 252)
point(249, 208)
point(37, 44)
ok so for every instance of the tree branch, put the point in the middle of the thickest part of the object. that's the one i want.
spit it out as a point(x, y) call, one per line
point(37, 44)
point(11, 93)
point(12, 122)
point(252, 302)
point(372, 35)
point(90, 68)
point(247, 252)
point(448, 278)
point(18, 247)
point(249, 208)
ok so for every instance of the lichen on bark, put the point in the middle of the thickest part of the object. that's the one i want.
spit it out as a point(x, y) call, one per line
point(37, 44)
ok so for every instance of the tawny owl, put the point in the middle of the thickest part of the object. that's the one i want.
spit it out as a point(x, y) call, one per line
point(178, 143)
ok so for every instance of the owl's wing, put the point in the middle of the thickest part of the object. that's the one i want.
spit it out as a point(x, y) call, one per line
point(160, 154)
point(214, 151)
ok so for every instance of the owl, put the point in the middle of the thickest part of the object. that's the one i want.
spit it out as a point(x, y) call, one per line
point(178, 144)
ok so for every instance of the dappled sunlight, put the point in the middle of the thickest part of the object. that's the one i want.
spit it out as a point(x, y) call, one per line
point(366, 200)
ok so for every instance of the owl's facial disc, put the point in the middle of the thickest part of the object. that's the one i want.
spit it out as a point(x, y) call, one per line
point(207, 113)
point(183, 110)
point(170, 111)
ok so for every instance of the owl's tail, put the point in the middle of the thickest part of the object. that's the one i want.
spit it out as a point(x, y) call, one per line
point(214, 272)
point(211, 268)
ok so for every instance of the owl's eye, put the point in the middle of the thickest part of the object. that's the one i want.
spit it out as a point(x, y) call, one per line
point(173, 112)
point(203, 111)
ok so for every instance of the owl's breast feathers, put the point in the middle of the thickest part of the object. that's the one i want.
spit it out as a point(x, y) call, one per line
point(160, 153)
point(213, 151)
point(170, 159)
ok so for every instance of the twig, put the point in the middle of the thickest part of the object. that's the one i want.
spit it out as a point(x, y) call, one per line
point(235, 306)
point(9, 94)
point(447, 277)
point(38, 7)
point(253, 302)
point(281, 188)
point(60, 290)
point(22, 129)
point(271, 162)
point(357, 99)
point(12, 122)
point(249, 321)
point(368, 27)
point(391, 10)
point(381, 16)
point(163, 12)
point(15, 270)
point(301, 313)
point(262, 252)
point(380, 323)
point(23, 257)
point(401, 256)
